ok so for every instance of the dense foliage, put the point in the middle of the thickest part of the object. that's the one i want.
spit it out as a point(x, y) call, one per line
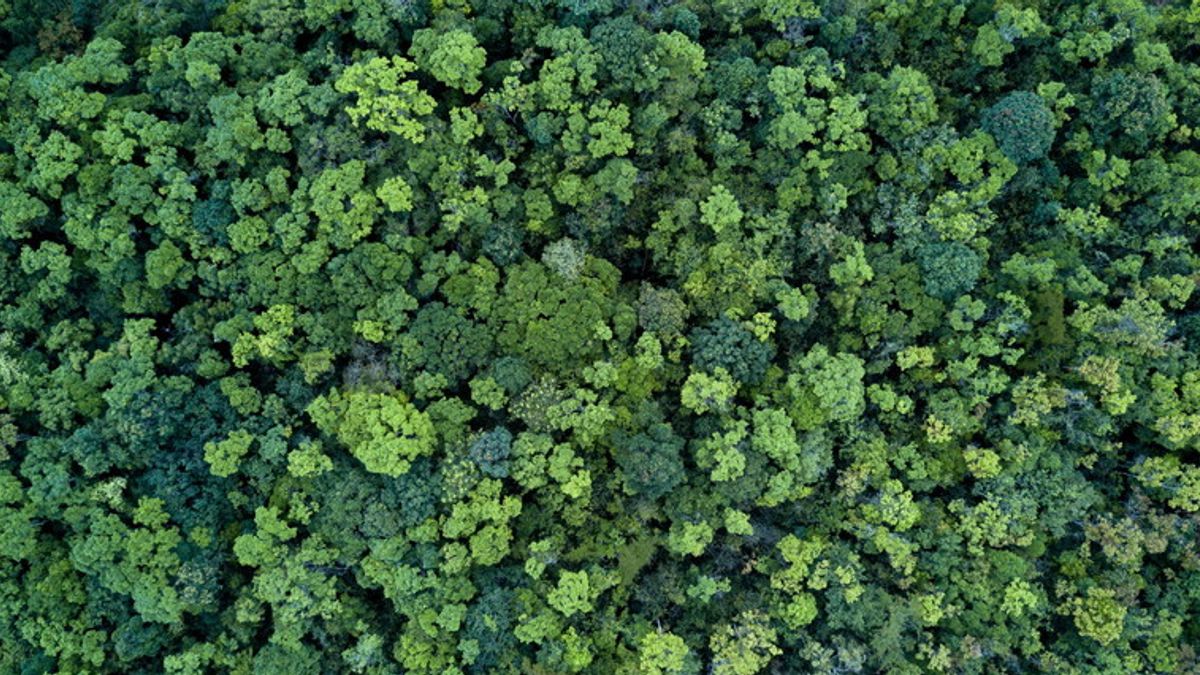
point(603, 336)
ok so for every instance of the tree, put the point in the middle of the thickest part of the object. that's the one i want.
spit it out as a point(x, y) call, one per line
point(1022, 125)
point(572, 595)
point(650, 461)
point(721, 211)
point(385, 100)
point(724, 343)
point(1131, 109)
point(224, 455)
point(453, 57)
point(948, 269)
point(833, 382)
point(1099, 616)
point(662, 654)
point(384, 431)
point(745, 646)
point(903, 104)
point(661, 310)
point(442, 341)
point(491, 452)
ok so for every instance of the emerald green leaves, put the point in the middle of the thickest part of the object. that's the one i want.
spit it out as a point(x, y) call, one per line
point(584, 336)
point(385, 100)
point(453, 57)
point(384, 431)
point(1022, 125)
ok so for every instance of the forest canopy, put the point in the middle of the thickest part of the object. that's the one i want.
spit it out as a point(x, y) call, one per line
point(627, 337)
